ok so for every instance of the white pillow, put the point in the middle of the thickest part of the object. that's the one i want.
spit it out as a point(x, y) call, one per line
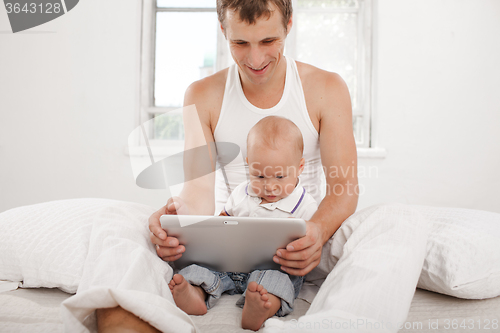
point(45, 245)
point(463, 250)
point(463, 253)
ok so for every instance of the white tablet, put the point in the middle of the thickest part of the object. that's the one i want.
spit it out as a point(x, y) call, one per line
point(232, 244)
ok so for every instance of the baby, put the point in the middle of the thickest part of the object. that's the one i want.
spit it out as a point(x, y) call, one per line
point(274, 156)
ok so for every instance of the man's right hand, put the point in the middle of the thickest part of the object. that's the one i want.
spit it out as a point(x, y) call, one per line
point(167, 248)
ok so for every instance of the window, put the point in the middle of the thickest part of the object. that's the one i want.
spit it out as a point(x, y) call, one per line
point(182, 42)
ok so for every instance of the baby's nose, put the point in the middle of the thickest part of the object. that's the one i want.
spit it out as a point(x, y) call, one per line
point(271, 186)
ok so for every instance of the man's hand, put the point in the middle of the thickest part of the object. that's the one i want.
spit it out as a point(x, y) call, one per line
point(302, 255)
point(167, 248)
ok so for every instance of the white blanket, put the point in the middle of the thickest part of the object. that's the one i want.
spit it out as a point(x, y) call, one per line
point(122, 268)
point(377, 265)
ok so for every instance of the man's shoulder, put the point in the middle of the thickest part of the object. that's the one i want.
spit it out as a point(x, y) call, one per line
point(207, 90)
point(314, 78)
point(325, 92)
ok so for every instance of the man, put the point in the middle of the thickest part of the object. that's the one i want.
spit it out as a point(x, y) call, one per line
point(256, 32)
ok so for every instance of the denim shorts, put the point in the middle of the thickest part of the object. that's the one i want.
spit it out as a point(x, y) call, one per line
point(282, 285)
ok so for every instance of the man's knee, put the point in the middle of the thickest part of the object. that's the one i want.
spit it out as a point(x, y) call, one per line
point(117, 319)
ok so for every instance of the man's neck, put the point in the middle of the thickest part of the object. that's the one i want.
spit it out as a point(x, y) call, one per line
point(266, 95)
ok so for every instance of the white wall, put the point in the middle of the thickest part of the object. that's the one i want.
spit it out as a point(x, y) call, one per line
point(437, 102)
point(68, 100)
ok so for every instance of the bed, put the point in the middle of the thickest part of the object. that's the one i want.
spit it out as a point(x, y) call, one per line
point(38, 310)
point(52, 250)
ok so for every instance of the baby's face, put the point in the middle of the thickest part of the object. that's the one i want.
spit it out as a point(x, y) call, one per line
point(273, 174)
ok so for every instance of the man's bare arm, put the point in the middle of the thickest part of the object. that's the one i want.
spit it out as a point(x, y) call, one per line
point(339, 158)
point(197, 196)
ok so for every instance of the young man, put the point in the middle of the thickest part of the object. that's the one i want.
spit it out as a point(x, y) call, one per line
point(257, 49)
point(264, 82)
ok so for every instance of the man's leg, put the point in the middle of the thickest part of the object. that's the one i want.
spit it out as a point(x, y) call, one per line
point(112, 320)
point(380, 253)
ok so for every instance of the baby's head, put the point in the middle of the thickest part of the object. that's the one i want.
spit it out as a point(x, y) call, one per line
point(274, 155)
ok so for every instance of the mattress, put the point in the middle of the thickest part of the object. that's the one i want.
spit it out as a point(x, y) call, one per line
point(38, 310)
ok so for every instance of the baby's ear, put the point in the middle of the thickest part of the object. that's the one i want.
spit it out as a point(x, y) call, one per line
point(301, 165)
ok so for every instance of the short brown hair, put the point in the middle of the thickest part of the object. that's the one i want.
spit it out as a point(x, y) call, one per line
point(251, 10)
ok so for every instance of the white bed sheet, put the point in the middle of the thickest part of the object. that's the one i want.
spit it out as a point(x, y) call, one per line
point(38, 310)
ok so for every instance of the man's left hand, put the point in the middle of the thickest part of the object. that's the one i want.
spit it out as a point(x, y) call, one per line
point(302, 255)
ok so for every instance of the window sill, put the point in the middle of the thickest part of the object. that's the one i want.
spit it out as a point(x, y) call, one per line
point(371, 153)
point(160, 152)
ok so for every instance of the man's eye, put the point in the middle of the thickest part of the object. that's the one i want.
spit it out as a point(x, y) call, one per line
point(269, 41)
point(241, 43)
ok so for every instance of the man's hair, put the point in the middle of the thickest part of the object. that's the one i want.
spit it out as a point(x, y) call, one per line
point(274, 132)
point(251, 10)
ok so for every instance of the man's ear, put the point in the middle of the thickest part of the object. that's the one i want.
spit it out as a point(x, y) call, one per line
point(222, 29)
point(289, 25)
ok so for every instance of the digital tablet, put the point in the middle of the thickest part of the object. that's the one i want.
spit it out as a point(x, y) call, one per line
point(229, 243)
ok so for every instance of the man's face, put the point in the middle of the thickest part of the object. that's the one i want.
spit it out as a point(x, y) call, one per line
point(257, 48)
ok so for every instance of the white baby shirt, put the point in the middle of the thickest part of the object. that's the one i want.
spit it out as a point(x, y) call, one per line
point(244, 202)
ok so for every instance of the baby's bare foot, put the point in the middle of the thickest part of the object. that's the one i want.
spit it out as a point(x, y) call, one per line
point(190, 299)
point(259, 306)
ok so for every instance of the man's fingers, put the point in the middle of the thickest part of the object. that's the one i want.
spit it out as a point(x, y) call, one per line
point(173, 207)
point(154, 223)
point(167, 242)
point(172, 258)
point(169, 252)
point(299, 255)
point(301, 271)
point(303, 242)
point(297, 259)
point(159, 233)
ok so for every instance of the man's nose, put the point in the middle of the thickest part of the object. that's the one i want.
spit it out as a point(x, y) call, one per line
point(256, 57)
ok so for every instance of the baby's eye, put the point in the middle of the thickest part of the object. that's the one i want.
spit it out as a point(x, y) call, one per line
point(260, 177)
point(279, 177)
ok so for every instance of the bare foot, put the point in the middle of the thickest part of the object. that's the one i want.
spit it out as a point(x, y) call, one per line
point(259, 306)
point(189, 298)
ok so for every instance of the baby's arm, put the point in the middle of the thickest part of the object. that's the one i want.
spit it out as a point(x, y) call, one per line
point(223, 213)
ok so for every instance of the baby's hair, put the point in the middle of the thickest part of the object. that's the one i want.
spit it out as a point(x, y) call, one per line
point(273, 132)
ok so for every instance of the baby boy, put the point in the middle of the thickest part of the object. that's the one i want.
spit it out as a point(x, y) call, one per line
point(274, 156)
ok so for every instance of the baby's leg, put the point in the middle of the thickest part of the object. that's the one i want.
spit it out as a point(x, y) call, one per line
point(189, 298)
point(259, 306)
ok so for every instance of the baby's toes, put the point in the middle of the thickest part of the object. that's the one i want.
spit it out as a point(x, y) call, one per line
point(264, 297)
point(263, 291)
point(267, 305)
point(260, 288)
point(252, 286)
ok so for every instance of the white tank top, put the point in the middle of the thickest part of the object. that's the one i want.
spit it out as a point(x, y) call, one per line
point(238, 115)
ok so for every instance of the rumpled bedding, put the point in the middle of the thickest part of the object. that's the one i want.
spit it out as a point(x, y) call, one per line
point(376, 265)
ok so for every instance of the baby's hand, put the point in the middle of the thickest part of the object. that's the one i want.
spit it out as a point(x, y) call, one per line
point(167, 248)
